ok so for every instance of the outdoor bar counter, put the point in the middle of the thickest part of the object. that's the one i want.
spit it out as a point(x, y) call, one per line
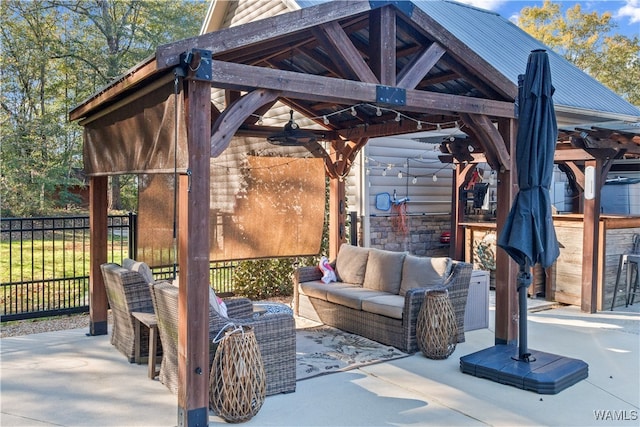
point(562, 282)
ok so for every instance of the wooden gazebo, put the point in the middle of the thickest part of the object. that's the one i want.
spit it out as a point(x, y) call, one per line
point(351, 67)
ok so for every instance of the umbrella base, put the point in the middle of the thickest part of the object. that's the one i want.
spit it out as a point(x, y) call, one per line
point(547, 374)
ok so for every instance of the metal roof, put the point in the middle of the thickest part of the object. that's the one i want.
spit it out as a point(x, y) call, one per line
point(506, 47)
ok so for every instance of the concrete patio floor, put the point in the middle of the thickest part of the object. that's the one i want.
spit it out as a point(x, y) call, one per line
point(67, 378)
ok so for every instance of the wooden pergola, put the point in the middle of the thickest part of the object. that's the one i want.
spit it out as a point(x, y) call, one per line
point(320, 61)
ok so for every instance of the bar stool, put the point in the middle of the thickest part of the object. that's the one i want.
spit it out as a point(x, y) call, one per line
point(632, 263)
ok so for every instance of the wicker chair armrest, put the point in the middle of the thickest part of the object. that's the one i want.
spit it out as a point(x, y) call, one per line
point(272, 325)
point(307, 274)
point(238, 307)
point(413, 301)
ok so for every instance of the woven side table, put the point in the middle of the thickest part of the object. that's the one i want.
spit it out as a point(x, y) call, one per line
point(436, 329)
point(237, 384)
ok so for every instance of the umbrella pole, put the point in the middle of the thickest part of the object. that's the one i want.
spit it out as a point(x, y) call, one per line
point(524, 281)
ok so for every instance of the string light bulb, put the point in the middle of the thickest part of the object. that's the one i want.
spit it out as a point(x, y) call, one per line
point(398, 117)
point(414, 180)
point(435, 178)
point(419, 126)
point(325, 120)
point(384, 172)
point(400, 175)
point(353, 111)
point(378, 111)
point(260, 121)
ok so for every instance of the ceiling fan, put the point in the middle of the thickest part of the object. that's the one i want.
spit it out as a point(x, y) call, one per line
point(292, 135)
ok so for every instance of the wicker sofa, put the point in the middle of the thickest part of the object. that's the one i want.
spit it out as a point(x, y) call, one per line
point(379, 293)
point(275, 334)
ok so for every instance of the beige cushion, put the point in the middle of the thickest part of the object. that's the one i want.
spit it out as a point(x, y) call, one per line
point(318, 289)
point(384, 271)
point(351, 297)
point(386, 305)
point(351, 264)
point(424, 272)
point(140, 267)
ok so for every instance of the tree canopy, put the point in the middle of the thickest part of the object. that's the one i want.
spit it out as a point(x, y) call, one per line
point(589, 41)
point(56, 53)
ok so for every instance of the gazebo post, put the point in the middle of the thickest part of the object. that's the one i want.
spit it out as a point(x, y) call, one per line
point(98, 254)
point(590, 239)
point(506, 331)
point(193, 242)
point(337, 194)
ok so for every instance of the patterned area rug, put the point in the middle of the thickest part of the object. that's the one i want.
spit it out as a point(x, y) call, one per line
point(323, 349)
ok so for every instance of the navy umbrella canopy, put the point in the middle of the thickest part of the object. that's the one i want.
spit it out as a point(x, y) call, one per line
point(528, 235)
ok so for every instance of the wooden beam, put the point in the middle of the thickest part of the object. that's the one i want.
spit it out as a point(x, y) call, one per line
point(124, 83)
point(326, 89)
point(491, 139)
point(232, 117)
point(193, 241)
point(382, 44)
point(413, 73)
point(98, 303)
point(349, 56)
point(463, 54)
point(419, 100)
point(246, 35)
point(571, 155)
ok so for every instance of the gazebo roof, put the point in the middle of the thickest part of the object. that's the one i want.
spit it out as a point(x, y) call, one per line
point(472, 54)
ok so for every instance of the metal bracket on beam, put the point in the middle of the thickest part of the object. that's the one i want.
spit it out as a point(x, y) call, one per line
point(197, 64)
point(391, 95)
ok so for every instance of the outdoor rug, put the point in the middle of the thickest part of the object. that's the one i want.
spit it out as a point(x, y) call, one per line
point(323, 349)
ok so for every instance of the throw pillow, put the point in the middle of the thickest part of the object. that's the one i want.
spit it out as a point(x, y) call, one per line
point(328, 275)
point(351, 264)
point(424, 272)
point(140, 267)
point(384, 271)
point(217, 304)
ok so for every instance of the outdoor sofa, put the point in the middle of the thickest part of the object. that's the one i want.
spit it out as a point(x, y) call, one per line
point(378, 293)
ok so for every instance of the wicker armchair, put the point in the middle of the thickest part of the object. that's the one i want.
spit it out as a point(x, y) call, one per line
point(127, 292)
point(275, 334)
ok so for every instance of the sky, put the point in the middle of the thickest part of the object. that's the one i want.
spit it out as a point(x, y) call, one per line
point(626, 13)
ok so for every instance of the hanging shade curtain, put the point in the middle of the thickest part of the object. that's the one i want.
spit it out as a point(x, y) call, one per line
point(262, 207)
point(139, 137)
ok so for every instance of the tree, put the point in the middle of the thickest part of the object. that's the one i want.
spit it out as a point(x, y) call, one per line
point(587, 40)
point(124, 33)
point(36, 152)
point(56, 53)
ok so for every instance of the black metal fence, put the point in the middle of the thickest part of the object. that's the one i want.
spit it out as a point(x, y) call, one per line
point(44, 264)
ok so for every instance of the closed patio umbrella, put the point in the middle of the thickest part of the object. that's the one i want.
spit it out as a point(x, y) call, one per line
point(528, 235)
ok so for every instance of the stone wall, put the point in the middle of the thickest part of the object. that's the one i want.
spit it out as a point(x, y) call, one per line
point(422, 237)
